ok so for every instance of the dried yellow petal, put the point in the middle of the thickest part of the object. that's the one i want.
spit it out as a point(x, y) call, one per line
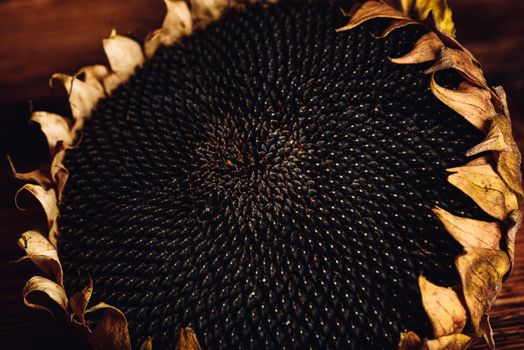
point(443, 307)
point(55, 128)
point(427, 48)
point(482, 184)
point(43, 285)
point(481, 272)
point(470, 233)
point(370, 10)
point(187, 340)
point(42, 253)
point(471, 102)
point(462, 62)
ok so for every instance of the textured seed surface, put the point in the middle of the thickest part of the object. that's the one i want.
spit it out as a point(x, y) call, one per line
point(269, 183)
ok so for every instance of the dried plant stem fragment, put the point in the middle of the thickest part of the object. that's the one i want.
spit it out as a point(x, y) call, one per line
point(470, 233)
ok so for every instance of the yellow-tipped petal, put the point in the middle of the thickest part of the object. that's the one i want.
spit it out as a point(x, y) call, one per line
point(42, 253)
point(43, 285)
point(420, 9)
point(482, 184)
point(443, 307)
point(427, 48)
point(470, 233)
point(481, 272)
point(371, 10)
point(187, 340)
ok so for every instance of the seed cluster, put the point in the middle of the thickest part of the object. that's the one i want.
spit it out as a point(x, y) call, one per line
point(269, 183)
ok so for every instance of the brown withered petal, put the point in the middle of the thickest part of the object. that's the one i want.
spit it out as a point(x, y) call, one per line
point(426, 49)
point(409, 341)
point(370, 10)
point(481, 272)
point(396, 24)
point(515, 221)
point(462, 63)
point(46, 197)
point(147, 344)
point(54, 291)
point(469, 101)
point(449, 342)
point(482, 184)
point(40, 176)
point(79, 301)
point(443, 306)
point(42, 253)
point(59, 173)
point(470, 233)
point(187, 340)
point(111, 332)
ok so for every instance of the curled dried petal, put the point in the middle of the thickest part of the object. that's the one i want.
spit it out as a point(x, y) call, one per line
point(46, 197)
point(482, 184)
point(427, 48)
point(147, 344)
point(470, 233)
point(78, 302)
point(43, 285)
point(40, 176)
point(59, 173)
point(481, 272)
point(55, 128)
point(42, 253)
point(371, 10)
point(94, 76)
point(187, 340)
point(471, 102)
point(111, 331)
point(443, 307)
point(460, 61)
point(396, 24)
point(515, 221)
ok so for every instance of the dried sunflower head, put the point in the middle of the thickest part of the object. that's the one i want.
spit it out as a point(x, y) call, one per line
point(276, 176)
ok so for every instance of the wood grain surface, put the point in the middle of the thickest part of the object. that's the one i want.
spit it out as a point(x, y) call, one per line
point(40, 37)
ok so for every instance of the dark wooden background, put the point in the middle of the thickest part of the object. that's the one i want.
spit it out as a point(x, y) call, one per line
point(40, 37)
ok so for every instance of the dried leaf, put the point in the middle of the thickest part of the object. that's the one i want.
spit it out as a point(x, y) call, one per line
point(420, 9)
point(55, 128)
point(78, 302)
point(482, 184)
point(470, 233)
point(111, 332)
point(47, 199)
point(471, 102)
point(449, 342)
point(187, 340)
point(370, 10)
point(396, 24)
point(427, 48)
point(147, 344)
point(42, 253)
point(443, 307)
point(460, 61)
point(82, 96)
point(409, 341)
point(41, 284)
point(481, 272)
point(40, 176)
point(177, 23)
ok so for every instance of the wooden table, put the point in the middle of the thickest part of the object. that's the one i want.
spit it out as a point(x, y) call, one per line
point(39, 37)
